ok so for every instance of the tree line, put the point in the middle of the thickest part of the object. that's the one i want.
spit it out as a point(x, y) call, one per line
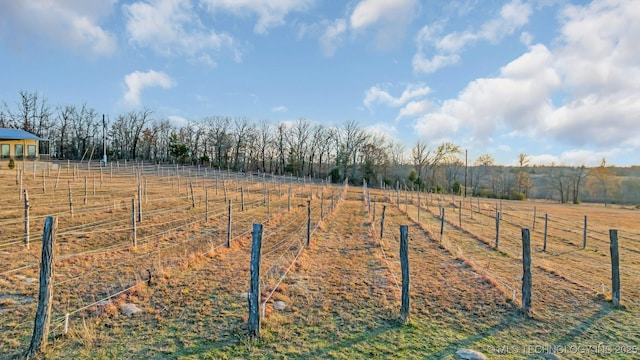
point(299, 148)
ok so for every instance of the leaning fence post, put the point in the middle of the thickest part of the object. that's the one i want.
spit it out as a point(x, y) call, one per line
point(254, 285)
point(26, 218)
point(193, 200)
point(404, 263)
point(45, 294)
point(615, 268)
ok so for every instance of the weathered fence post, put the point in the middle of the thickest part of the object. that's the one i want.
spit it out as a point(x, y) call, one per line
point(133, 223)
point(498, 216)
point(526, 272)
point(70, 198)
point(404, 263)
point(546, 222)
point(584, 237)
point(615, 268)
point(308, 223)
point(26, 218)
point(384, 208)
point(533, 228)
point(206, 205)
point(254, 285)
point(139, 203)
point(241, 198)
point(441, 223)
point(193, 200)
point(229, 225)
point(43, 313)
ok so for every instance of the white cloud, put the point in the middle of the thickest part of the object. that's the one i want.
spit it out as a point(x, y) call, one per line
point(415, 108)
point(279, 109)
point(376, 95)
point(391, 17)
point(270, 13)
point(423, 65)
point(332, 36)
point(73, 23)
point(516, 99)
point(583, 92)
point(370, 12)
point(137, 81)
point(173, 28)
point(511, 17)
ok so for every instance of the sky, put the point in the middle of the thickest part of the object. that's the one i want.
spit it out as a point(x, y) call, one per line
point(556, 80)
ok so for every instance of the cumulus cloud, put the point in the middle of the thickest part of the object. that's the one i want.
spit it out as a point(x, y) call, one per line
point(511, 17)
point(173, 28)
point(270, 13)
point(73, 23)
point(583, 92)
point(377, 95)
point(390, 17)
point(137, 81)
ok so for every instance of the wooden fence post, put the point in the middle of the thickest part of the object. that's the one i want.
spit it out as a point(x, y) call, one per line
point(254, 285)
point(533, 228)
point(404, 263)
point(193, 200)
point(546, 222)
point(26, 218)
point(45, 294)
point(70, 198)
point(308, 223)
point(133, 223)
point(526, 272)
point(229, 225)
point(615, 268)
point(584, 237)
point(139, 203)
point(498, 216)
point(241, 198)
point(206, 205)
point(384, 208)
point(441, 223)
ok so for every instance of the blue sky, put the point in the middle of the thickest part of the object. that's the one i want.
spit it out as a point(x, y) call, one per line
point(557, 80)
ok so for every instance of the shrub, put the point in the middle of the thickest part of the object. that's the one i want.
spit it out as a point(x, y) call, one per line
point(12, 164)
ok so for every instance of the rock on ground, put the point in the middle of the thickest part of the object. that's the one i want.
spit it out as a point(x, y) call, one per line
point(469, 354)
point(279, 305)
point(130, 309)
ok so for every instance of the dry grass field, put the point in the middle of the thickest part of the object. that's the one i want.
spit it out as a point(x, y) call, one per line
point(341, 294)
